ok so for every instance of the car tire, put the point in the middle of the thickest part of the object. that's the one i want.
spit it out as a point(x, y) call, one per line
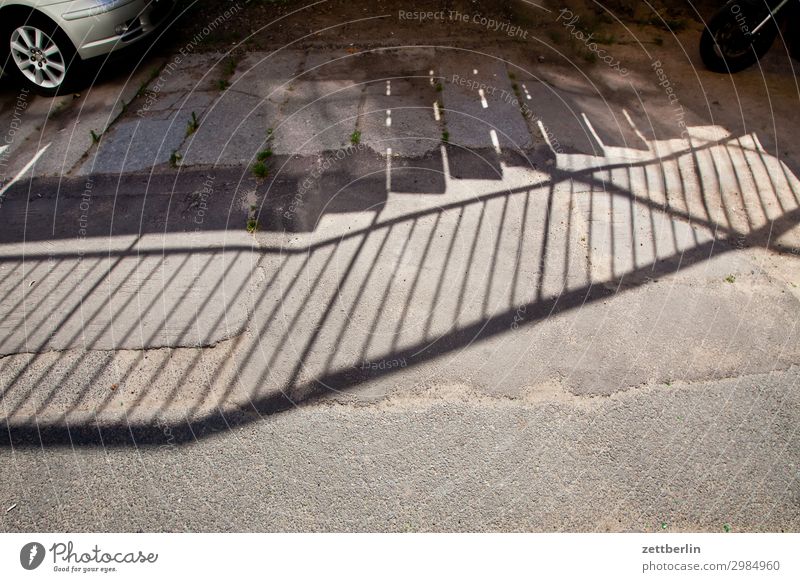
point(38, 54)
point(724, 46)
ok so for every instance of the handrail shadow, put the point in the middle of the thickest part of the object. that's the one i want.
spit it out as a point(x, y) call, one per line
point(410, 279)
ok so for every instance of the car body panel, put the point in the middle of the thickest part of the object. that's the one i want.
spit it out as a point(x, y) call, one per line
point(94, 26)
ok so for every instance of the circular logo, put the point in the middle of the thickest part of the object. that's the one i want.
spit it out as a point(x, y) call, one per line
point(31, 555)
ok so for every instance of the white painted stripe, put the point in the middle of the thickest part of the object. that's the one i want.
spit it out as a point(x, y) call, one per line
point(636, 130)
point(388, 118)
point(22, 172)
point(474, 71)
point(388, 88)
point(593, 132)
point(544, 135)
point(758, 143)
point(527, 93)
point(483, 99)
point(436, 115)
point(445, 166)
point(430, 74)
point(495, 141)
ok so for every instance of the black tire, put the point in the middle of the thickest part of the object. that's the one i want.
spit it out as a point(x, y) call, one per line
point(65, 57)
point(726, 45)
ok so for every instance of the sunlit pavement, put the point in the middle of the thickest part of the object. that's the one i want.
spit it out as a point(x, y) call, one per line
point(498, 300)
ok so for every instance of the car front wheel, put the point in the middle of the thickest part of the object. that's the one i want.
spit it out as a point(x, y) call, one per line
point(40, 55)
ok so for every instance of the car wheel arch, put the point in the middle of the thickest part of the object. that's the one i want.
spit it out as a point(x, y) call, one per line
point(9, 11)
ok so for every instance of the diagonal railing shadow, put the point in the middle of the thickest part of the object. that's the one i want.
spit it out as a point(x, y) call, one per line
point(411, 285)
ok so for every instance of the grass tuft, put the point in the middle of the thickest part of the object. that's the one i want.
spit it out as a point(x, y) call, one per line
point(193, 124)
point(260, 170)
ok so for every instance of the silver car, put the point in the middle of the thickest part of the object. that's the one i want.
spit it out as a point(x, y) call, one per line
point(44, 42)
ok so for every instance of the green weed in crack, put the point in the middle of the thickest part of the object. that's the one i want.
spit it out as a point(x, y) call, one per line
point(260, 170)
point(252, 224)
point(193, 125)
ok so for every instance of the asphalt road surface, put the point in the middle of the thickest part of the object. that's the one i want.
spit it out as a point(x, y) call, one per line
point(405, 289)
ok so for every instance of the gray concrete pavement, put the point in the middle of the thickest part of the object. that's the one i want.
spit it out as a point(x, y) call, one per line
point(568, 316)
point(447, 458)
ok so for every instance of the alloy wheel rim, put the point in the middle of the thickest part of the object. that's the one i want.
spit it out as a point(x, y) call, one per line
point(38, 57)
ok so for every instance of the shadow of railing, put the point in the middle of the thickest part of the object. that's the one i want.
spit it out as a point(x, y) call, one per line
point(114, 347)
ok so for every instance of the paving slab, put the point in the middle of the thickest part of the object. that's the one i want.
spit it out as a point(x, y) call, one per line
point(399, 114)
point(140, 143)
point(232, 132)
point(135, 146)
point(23, 116)
point(318, 116)
point(190, 73)
point(481, 107)
point(268, 75)
point(61, 142)
point(130, 266)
